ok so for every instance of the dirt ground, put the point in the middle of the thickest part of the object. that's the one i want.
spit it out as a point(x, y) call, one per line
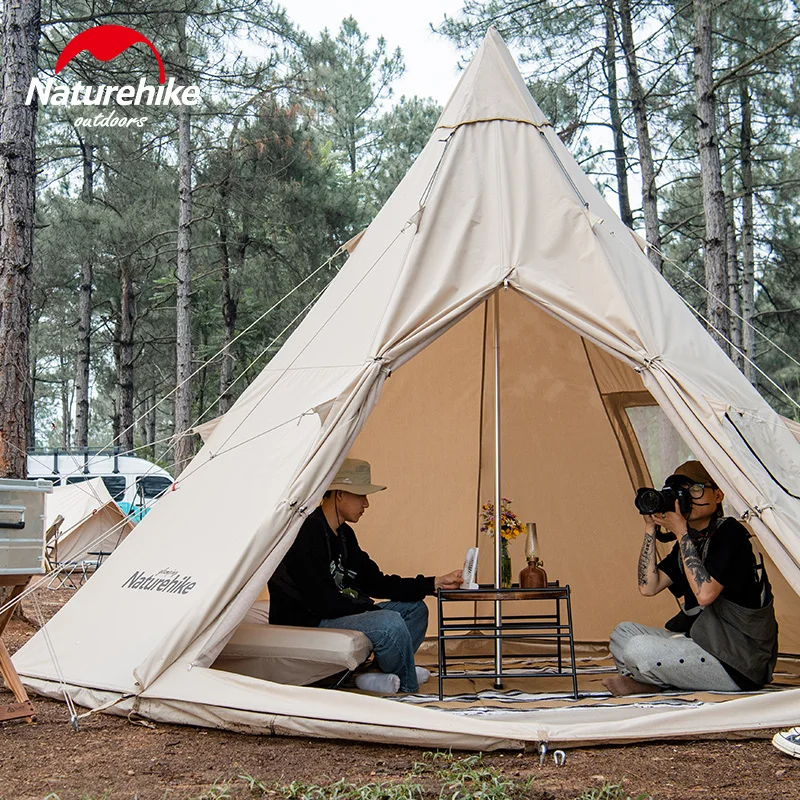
point(110, 757)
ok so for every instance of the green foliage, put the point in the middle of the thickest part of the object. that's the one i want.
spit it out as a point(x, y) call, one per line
point(402, 132)
point(347, 89)
point(219, 790)
point(611, 791)
point(286, 167)
point(756, 54)
point(469, 778)
point(343, 790)
point(296, 148)
point(347, 83)
point(439, 774)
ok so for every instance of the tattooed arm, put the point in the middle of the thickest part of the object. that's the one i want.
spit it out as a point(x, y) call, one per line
point(705, 588)
point(651, 579)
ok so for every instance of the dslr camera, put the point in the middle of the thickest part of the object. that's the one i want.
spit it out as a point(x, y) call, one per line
point(653, 501)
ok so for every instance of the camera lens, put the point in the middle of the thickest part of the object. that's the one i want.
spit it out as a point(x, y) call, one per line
point(649, 501)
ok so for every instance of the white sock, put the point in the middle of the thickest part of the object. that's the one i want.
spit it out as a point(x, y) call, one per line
point(423, 675)
point(384, 682)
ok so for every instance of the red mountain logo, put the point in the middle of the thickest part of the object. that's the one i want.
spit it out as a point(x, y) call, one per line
point(106, 42)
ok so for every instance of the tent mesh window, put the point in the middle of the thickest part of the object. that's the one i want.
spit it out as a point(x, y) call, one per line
point(661, 445)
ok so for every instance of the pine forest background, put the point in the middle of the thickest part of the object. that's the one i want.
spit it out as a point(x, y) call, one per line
point(159, 250)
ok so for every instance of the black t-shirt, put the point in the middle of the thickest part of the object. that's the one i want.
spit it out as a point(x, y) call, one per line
point(730, 560)
point(326, 575)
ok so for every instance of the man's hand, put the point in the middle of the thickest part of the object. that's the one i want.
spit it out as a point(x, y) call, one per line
point(450, 581)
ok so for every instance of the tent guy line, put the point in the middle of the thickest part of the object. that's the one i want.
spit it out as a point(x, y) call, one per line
point(711, 326)
point(317, 334)
point(107, 447)
point(71, 709)
point(48, 579)
point(736, 314)
point(260, 355)
point(429, 186)
point(188, 472)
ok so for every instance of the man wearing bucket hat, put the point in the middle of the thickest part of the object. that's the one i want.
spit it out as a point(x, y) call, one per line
point(327, 580)
point(725, 637)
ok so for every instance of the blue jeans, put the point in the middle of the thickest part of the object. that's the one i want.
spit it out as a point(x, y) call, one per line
point(396, 629)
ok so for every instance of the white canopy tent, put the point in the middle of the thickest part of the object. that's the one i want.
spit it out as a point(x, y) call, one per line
point(390, 365)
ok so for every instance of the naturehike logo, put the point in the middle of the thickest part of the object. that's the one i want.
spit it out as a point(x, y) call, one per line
point(166, 580)
point(105, 43)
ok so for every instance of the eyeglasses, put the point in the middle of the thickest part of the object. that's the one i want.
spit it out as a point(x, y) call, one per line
point(696, 490)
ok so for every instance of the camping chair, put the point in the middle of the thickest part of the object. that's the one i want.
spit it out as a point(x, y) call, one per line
point(67, 573)
point(51, 544)
point(71, 574)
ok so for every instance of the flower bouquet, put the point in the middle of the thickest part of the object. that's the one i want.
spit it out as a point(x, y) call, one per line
point(510, 528)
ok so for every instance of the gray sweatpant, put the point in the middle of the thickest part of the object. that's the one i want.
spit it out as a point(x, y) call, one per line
point(666, 659)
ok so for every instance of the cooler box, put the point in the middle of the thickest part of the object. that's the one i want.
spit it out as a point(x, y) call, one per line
point(22, 526)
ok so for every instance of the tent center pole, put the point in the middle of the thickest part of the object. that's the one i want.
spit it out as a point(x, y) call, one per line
point(498, 538)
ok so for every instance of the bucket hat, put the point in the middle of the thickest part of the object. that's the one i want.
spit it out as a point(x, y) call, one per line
point(355, 476)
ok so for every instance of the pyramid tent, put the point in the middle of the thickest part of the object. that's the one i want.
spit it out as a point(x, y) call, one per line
point(92, 521)
point(391, 365)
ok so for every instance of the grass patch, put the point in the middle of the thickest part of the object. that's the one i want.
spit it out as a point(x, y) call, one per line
point(610, 791)
point(342, 790)
point(438, 776)
point(469, 778)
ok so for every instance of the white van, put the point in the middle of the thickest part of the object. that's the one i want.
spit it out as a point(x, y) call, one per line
point(129, 479)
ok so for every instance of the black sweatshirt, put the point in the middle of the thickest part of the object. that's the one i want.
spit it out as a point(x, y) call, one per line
point(303, 590)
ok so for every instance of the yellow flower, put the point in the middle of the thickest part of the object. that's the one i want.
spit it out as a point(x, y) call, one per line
point(510, 526)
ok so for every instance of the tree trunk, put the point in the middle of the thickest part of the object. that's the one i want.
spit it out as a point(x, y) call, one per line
point(126, 347)
point(66, 398)
point(84, 313)
point(228, 306)
point(711, 176)
point(639, 105)
point(732, 251)
point(748, 270)
point(31, 406)
point(20, 48)
point(229, 312)
point(151, 424)
point(140, 412)
point(184, 444)
point(620, 159)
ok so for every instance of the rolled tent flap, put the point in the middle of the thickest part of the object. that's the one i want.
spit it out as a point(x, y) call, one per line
point(206, 429)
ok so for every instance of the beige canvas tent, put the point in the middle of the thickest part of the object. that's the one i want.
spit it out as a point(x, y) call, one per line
point(602, 367)
point(92, 521)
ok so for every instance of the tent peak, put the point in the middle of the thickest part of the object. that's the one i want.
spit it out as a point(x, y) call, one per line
point(491, 88)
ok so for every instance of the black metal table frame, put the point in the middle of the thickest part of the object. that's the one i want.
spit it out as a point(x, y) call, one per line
point(522, 627)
